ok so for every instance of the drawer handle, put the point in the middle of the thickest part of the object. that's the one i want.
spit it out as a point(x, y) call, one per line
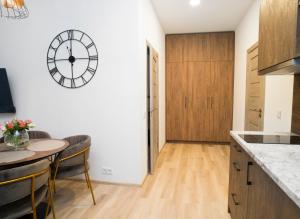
point(237, 148)
point(233, 195)
point(249, 183)
point(236, 166)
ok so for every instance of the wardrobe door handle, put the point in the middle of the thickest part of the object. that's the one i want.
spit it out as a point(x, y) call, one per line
point(249, 183)
point(211, 102)
point(236, 166)
point(207, 102)
point(233, 195)
point(237, 148)
point(185, 102)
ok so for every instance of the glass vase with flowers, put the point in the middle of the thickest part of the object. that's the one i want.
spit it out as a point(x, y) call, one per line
point(15, 133)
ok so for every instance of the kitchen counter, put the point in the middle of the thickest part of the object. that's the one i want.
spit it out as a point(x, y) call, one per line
point(280, 162)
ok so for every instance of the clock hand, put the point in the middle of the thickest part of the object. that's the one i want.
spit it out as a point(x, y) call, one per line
point(72, 70)
point(71, 47)
point(70, 53)
point(61, 60)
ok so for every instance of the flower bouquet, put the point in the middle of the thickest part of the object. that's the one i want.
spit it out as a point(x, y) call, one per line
point(15, 133)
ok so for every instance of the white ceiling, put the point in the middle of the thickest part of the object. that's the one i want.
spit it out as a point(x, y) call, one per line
point(177, 16)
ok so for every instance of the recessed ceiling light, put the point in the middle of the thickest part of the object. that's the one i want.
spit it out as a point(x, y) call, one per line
point(194, 3)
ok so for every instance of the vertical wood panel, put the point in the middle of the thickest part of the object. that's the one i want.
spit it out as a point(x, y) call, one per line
point(198, 109)
point(176, 93)
point(222, 100)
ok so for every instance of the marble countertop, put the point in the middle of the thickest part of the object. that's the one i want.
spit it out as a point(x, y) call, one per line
point(280, 162)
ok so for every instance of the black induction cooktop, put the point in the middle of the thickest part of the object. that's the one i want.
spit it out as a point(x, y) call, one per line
point(271, 139)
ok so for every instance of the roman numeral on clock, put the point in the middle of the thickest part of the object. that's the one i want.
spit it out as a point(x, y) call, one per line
point(73, 83)
point(53, 71)
point(60, 39)
point(62, 80)
point(70, 34)
point(93, 57)
point(83, 80)
point(50, 60)
point(90, 45)
point(91, 70)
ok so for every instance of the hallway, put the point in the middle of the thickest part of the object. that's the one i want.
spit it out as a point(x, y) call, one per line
point(191, 181)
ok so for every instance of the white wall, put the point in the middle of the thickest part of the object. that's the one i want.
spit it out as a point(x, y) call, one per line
point(279, 89)
point(111, 107)
point(151, 33)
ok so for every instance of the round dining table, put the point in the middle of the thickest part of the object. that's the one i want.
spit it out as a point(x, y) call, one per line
point(35, 150)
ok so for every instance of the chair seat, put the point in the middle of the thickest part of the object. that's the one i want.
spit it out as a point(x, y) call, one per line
point(69, 171)
point(23, 206)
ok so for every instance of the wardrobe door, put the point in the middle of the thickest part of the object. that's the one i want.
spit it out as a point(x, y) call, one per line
point(198, 105)
point(174, 48)
point(222, 46)
point(196, 47)
point(177, 102)
point(221, 98)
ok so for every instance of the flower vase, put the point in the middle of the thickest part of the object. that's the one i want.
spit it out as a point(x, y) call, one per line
point(17, 139)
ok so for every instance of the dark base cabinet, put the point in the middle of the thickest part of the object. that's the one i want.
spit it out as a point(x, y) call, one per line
point(252, 193)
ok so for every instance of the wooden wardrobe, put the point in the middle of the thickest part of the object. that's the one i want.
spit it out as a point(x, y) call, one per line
point(199, 86)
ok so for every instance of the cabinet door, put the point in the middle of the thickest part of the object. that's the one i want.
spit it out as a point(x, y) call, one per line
point(222, 46)
point(176, 101)
point(196, 47)
point(277, 33)
point(174, 48)
point(266, 199)
point(238, 189)
point(221, 100)
point(197, 101)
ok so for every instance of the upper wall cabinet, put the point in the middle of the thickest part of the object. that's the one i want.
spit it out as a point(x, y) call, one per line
point(222, 46)
point(174, 48)
point(279, 33)
point(197, 47)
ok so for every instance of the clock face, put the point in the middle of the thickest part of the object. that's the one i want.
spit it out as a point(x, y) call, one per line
point(72, 59)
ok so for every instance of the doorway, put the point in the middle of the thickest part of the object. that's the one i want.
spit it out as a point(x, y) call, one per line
point(255, 93)
point(152, 107)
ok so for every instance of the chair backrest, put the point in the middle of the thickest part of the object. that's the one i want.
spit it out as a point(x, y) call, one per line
point(18, 181)
point(38, 135)
point(77, 143)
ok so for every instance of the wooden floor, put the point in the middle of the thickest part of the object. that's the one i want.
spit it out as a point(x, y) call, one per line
point(191, 181)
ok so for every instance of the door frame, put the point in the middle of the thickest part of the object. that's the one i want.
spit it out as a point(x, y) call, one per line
point(253, 47)
point(151, 157)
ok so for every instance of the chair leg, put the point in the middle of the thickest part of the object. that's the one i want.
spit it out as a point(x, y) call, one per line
point(50, 200)
point(90, 185)
point(86, 180)
point(54, 177)
point(33, 198)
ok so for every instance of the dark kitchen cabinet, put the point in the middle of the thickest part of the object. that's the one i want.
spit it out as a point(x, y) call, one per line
point(237, 197)
point(279, 36)
point(252, 193)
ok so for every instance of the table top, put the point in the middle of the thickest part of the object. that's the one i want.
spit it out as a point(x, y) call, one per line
point(35, 150)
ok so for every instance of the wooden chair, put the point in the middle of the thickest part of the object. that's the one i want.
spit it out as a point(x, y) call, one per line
point(73, 160)
point(23, 188)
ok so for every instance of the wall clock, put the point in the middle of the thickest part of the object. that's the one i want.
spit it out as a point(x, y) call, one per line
point(72, 59)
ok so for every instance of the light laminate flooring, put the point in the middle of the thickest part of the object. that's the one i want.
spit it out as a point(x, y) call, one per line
point(190, 181)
